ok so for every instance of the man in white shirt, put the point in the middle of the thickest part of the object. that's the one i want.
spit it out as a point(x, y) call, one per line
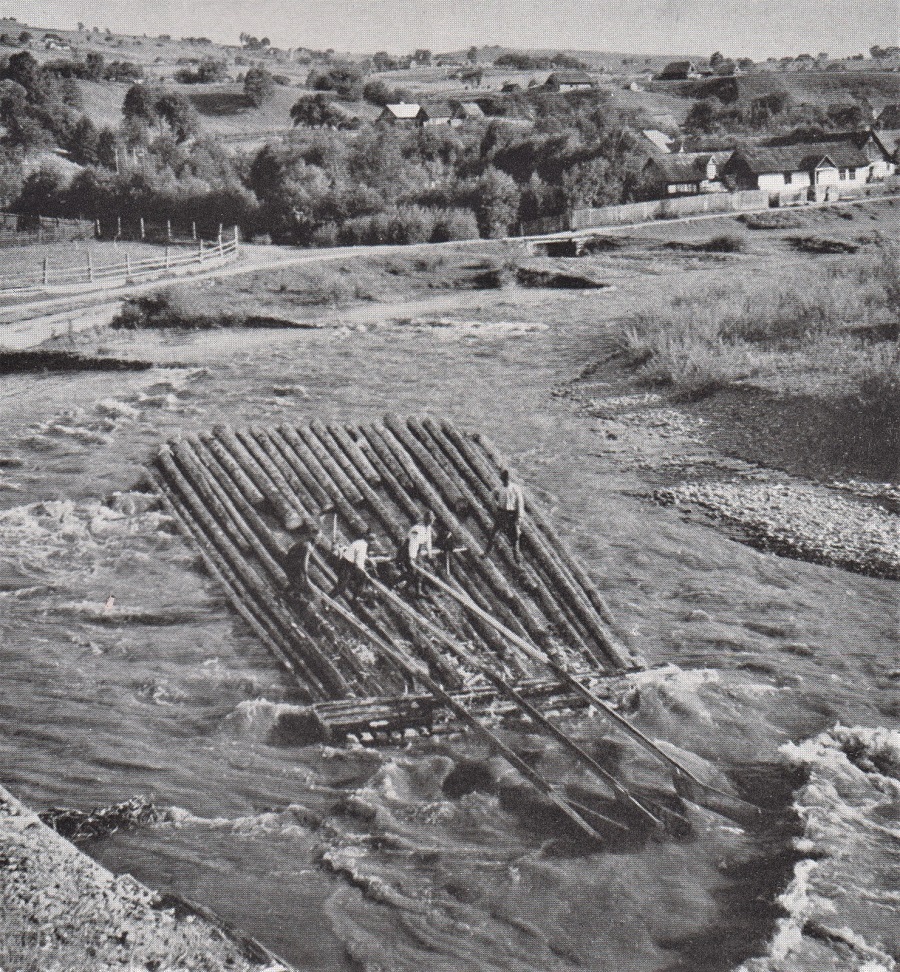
point(350, 568)
point(419, 538)
point(508, 509)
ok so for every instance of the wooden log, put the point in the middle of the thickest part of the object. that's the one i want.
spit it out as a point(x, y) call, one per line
point(579, 622)
point(330, 465)
point(302, 457)
point(402, 498)
point(419, 441)
point(573, 563)
point(336, 451)
point(234, 521)
point(610, 650)
point(278, 490)
point(355, 454)
point(255, 523)
point(401, 494)
point(331, 682)
point(241, 459)
point(225, 459)
point(236, 592)
point(290, 483)
point(219, 503)
point(525, 613)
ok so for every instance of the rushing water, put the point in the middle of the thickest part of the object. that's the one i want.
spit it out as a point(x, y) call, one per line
point(343, 859)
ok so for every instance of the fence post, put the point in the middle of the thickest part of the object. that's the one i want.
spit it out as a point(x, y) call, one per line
point(193, 231)
point(97, 233)
point(168, 229)
point(143, 234)
point(221, 251)
point(118, 227)
point(237, 238)
point(45, 273)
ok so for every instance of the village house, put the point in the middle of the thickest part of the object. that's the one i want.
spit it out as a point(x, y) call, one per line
point(402, 113)
point(569, 81)
point(659, 141)
point(685, 173)
point(682, 71)
point(805, 166)
point(888, 117)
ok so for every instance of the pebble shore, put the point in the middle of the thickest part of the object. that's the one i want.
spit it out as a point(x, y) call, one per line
point(62, 912)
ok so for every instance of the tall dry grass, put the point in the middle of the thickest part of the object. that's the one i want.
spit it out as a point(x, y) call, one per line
point(831, 320)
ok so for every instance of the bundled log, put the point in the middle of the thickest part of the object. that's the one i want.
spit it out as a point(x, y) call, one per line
point(226, 460)
point(242, 465)
point(355, 454)
point(326, 680)
point(331, 468)
point(301, 457)
point(569, 629)
point(533, 624)
point(403, 499)
point(332, 447)
point(309, 497)
point(239, 596)
point(612, 650)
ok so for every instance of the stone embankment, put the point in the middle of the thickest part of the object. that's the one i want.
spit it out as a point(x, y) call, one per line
point(60, 911)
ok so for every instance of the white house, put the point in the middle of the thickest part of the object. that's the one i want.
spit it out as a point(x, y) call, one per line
point(802, 166)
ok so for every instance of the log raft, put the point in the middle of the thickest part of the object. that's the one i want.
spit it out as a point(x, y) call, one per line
point(394, 661)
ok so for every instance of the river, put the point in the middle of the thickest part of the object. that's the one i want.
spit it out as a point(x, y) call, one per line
point(345, 859)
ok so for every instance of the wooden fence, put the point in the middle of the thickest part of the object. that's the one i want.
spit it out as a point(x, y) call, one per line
point(705, 203)
point(17, 229)
point(89, 277)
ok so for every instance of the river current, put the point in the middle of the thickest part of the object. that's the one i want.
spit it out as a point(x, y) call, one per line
point(781, 674)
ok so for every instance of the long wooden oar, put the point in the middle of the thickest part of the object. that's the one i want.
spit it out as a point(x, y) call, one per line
point(683, 776)
point(521, 702)
point(420, 673)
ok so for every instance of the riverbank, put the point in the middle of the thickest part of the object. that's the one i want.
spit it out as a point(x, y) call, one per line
point(63, 912)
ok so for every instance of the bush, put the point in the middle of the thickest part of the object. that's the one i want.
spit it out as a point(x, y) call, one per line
point(166, 309)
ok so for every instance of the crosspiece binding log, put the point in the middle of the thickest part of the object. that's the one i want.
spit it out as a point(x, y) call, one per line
point(481, 640)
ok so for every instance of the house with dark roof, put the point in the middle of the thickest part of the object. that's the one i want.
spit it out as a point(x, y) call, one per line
point(682, 71)
point(888, 117)
point(804, 166)
point(569, 81)
point(435, 113)
point(874, 144)
point(685, 173)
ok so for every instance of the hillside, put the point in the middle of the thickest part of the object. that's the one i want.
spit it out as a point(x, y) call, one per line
point(822, 88)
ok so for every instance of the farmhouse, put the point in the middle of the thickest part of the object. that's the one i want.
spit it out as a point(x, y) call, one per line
point(436, 113)
point(569, 81)
point(797, 166)
point(682, 71)
point(889, 117)
point(686, 173)
point(402, 113)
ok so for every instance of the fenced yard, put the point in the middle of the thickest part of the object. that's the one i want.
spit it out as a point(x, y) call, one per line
point(75, 267)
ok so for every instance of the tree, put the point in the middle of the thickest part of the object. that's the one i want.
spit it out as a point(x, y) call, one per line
point(259, 86)
point(107, 148)
point(25, 70)
point(702, 116)
point(472, 55)
point(496, 203)
point(84, 142)
point(94, 66)
point(140, 104)
point(318, 112)
point(716, 59)
point(422, 56)
point(345, 80)
point(378, 93)
point(179, 114)
point(24, 37)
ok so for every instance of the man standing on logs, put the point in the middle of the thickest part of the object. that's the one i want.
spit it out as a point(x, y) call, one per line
point(296, 560)
point(419, 539)
point(350, 568)
point(508, 510)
